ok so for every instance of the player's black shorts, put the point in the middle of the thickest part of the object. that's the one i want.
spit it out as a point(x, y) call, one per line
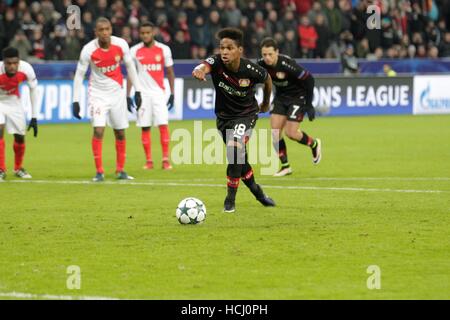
point(289, 108)
point(239, 129)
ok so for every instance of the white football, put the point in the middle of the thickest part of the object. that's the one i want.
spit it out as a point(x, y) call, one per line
point(191, 211)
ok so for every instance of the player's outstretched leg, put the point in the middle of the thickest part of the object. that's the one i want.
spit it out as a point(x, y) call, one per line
point(97, 145)
point(146, 139)
point(121, 144)
point(249, 180)
point(19, 153)
point(165, 139)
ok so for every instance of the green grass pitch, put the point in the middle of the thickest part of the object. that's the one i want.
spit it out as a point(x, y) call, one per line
point(380, 196)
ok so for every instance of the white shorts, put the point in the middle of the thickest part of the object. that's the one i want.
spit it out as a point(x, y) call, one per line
point(111, 110)
point(153, 111)
point(12, 114)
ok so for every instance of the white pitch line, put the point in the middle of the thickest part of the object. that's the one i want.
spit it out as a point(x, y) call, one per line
point(284, 179)
point(178, 184)
point(368, 179)
point(21, 295)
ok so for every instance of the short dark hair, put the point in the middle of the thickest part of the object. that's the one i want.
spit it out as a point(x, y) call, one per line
point(269, 42)
point(10, 52)
point(147, 24)
point(233, 34)
point(102, 20)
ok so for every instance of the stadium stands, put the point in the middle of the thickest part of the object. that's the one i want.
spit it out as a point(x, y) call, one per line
point(304, 28)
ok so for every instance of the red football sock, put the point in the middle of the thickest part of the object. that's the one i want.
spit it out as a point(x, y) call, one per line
point(120, 154)
point(19, 152)
point(2, 155)
point(97, 150)
point(165, 138)
point(147, 143)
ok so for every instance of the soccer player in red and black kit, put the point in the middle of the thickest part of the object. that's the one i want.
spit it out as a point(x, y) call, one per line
point(293, 100)
point(236, 108)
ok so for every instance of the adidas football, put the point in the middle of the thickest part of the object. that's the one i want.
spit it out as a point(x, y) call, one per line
point(191, 211)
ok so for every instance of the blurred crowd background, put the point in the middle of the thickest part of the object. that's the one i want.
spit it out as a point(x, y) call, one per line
point(313, 29)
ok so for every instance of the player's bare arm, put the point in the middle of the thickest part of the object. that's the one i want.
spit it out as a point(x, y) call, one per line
point(201, 71)
point(265, 105)
point(32, 84)
point(77, 85)
point(34, 101)
point(132, 75)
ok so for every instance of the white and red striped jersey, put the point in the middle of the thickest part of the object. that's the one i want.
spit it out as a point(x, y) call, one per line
point(9, 86)
point(106, 77)
point(150, 64)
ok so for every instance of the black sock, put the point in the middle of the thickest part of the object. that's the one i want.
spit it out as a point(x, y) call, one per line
point(307, 140)
point(233, 177)
point(231, 192)
point(249, 180)
point(281, 149)
point(234, 170)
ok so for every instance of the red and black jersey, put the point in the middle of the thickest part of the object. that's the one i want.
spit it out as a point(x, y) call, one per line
point(290, 79)
point(235, 91)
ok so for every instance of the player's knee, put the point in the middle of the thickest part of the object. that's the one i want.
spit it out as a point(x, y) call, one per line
point(98, 133)
point(234, 143)
point(290, 134)
point(19, 138)
point(120, 134)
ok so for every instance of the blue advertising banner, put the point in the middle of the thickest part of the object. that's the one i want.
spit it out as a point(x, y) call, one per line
point(195, 99)
point(55, 101)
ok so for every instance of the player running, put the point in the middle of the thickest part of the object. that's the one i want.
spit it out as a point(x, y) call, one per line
point(106, 96)
point(234, 79)
point(13, 72)
point(293, 99)
point(151, 57)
